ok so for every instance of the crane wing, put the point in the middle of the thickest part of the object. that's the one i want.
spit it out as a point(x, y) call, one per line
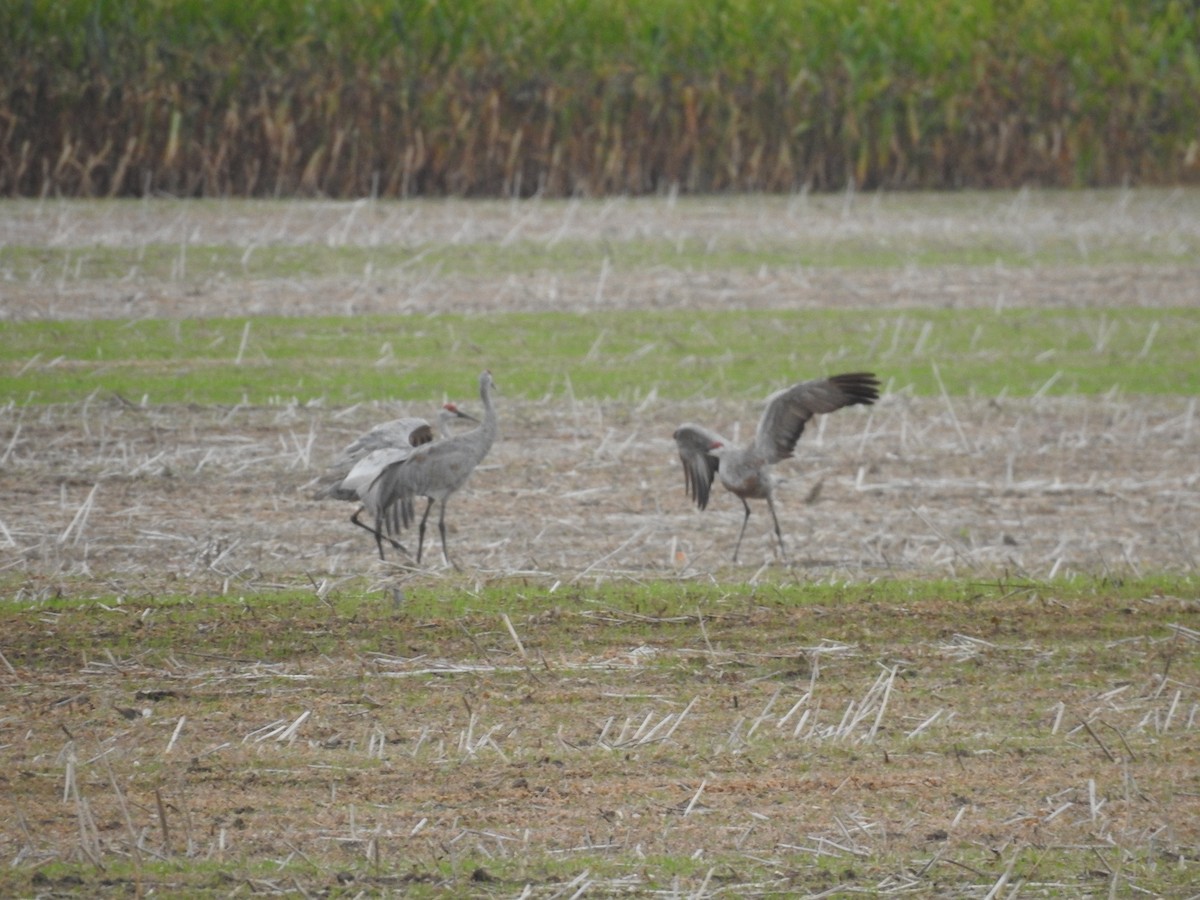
point(699, 465)
point(364, 472)
point(343, 480)
point(409, 431)
point(432, 470)
point(789, 410)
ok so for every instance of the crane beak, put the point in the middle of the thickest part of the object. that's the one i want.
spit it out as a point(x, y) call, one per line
point(467, 416)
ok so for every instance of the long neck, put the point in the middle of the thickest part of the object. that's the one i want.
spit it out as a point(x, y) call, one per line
point(487, 429)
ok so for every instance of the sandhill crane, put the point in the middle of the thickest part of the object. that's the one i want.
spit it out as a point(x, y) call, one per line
point(359, 464)
point(434, 471)
point(746, 471)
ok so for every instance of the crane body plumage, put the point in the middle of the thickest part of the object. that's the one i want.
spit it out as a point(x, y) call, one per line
point(434, 471)
point(745, 471)
point(361, 461)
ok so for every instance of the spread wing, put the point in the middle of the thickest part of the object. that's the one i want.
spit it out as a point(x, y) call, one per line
point(789, 410)
point(366, 470)
point(407, 432)
point(399, 434)
point(699, 465)
point(433, 470)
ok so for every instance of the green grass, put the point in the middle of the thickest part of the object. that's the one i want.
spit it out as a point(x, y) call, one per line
point(485, 876)
point(275, 626)
point(619, 356)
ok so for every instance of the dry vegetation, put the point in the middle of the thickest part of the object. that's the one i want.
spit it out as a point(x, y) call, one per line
point(216, 499)
point(211, 686)
point(753, 746)
point(1052, 251)
point(562, 98)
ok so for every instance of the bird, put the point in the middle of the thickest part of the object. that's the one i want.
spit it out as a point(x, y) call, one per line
point(745, 471)
point(361, 461)
point(434, 471)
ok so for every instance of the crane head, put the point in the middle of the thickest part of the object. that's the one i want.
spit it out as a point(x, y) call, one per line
point(451, 411)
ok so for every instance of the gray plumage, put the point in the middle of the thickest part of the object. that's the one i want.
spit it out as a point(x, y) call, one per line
point(399, 435)
point(745, 471)
point(361, 461)
point(434, 471)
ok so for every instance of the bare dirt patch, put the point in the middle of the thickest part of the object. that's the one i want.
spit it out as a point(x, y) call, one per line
point(218, 499)
point(753, 746)
point(942, 287)
point(1067, 250)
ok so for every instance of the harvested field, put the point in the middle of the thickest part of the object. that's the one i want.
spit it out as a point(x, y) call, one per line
point(976, 672)
point(218, 499)
point(1102, 249)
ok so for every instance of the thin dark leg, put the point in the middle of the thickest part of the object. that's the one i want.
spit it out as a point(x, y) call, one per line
point(421, 530)
point(775, 519)
point(745, 519)
point(442, 529)
point(380, 537)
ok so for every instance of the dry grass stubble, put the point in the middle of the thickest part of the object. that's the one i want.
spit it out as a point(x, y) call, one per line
point(1065, 250)
point(203, 500)
point(780, 748)
point(940, 745)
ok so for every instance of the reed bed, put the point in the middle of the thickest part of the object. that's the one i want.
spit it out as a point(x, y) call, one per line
point(564, 98)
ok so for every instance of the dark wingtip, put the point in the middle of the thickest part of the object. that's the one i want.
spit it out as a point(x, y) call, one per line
point(860, 387)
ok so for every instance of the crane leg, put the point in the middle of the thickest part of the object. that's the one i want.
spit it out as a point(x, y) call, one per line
point(775, 519)
point(442, 529)
point(380, 537)
point(421, 530)
point(741, 534)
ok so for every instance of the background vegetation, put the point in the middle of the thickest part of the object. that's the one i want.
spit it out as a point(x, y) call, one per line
point(562, 97)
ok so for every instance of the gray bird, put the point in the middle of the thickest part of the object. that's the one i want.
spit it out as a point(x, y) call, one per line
point(359, 464)
point(434, 471)
point(746, 471)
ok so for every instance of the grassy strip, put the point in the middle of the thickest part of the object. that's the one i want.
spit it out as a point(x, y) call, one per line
point(287, 623)
point(618, 356)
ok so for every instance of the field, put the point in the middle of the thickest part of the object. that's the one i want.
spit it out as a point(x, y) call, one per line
point(974, 671)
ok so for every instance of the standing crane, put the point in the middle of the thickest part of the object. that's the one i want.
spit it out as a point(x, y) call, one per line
point(745, 471)
point(434, 471)
point(359, 464)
